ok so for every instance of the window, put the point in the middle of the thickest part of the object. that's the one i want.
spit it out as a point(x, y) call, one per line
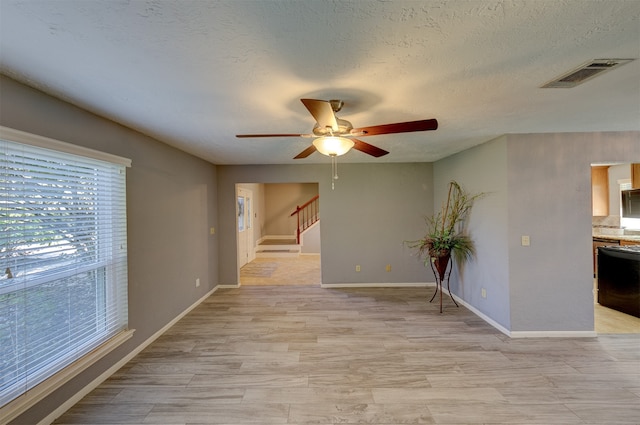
point(63, 257)
point(241, 213)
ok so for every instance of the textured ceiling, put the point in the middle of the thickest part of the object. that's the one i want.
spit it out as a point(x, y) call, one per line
point(195, 73)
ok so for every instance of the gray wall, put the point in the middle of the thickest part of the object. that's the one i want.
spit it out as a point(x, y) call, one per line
point(171, 205)
point(551, 282)
point(538, 185)
point(373, 209)
point(482, 169)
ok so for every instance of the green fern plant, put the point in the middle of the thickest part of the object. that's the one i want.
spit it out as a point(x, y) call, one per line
point(445, 229)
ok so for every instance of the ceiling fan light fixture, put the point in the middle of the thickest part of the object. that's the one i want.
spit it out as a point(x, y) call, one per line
point(333, 146)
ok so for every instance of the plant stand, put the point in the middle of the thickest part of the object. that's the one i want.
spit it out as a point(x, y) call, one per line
point(440, 265)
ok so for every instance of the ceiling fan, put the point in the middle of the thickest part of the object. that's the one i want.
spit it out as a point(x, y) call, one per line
point(335, 136)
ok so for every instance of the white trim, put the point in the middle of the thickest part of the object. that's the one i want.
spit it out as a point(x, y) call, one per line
point(113, 369)
point(14, 135)
point(21, 404)
point(553, 334)
point(483, 316)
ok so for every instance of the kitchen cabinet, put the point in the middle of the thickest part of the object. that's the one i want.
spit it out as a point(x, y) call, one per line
point(635, 176)
point(628, 243)
point(600, 190)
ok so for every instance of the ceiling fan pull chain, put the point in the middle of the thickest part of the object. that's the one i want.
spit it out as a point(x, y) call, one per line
point(334, 171)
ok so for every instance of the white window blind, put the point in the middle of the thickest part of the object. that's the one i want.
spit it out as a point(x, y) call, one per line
point(63, 261)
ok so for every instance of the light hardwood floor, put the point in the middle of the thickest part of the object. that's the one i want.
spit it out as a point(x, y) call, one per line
point(301, 354)
point(270, 271)
point(305, 270)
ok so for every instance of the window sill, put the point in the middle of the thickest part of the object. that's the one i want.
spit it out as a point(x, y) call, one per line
point(18, 406)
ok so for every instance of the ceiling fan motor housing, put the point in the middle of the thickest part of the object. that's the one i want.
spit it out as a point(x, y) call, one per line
point(344, 129)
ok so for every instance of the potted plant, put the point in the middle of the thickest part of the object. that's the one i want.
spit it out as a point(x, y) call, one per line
point(446, 235)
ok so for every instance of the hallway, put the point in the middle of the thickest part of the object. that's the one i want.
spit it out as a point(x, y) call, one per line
point(276, 271)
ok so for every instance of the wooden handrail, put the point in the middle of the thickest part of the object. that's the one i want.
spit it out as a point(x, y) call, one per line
point(310, 214)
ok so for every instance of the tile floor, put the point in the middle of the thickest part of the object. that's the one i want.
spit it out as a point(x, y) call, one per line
point(305, 355)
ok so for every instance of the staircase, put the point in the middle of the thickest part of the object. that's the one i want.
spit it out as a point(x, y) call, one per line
point(306, 215)
point(286, 246)
point(278, 246)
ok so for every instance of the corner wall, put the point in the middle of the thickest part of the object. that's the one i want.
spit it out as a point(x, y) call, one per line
point(482, 169)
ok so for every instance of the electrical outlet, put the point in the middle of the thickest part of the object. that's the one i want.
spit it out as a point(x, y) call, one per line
point(358, 268)
point(388, 267)
point(212, 230)
point(197, 282)
point(526, 241)
point(483, 293)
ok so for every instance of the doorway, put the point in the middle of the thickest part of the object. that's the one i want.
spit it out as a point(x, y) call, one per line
point(607, 181)
point(244, 215)
point(272, 254)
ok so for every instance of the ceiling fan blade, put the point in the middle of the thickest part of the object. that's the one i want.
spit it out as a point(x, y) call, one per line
point(368, 149)
point(273, 135)
point(322, 111)
point(399, 127)
point(305, 153)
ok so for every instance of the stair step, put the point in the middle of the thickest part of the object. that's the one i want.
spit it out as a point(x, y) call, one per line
point(277, 253)
point(284, 247)
point(283, 241)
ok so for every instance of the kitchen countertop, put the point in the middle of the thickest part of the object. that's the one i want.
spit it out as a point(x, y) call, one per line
point(614, 237)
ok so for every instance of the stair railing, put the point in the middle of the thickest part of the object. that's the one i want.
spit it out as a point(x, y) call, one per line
point(306, 215)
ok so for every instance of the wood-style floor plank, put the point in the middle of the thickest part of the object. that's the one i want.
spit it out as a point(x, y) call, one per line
point(306, 355)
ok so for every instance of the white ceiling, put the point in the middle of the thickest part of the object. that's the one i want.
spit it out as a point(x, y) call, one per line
point(195, 73)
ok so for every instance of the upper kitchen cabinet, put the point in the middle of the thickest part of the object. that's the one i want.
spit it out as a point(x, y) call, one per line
point(600, 190)
point(635, 176)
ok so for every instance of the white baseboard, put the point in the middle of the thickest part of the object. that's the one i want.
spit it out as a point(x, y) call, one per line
point(113, 369)
point(526, 334)
point(483, 316)
point(553, 334)
point(378, 285)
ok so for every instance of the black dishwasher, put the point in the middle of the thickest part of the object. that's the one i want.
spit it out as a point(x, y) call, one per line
point(619, 278)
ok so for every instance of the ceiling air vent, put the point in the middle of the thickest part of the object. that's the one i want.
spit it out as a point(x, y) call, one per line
point(585, 72)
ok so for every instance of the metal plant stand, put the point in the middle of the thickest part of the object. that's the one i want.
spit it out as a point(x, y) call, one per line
point(441, 274)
